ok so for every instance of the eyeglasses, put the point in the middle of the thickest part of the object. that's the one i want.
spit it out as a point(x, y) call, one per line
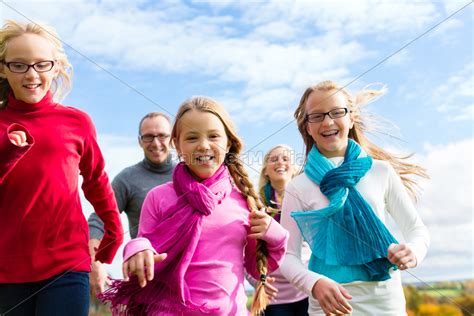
point(148, 138)
point(21, 68)
point(333, 114)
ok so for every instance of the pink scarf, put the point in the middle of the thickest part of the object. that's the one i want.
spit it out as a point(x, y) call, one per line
point(177, 235)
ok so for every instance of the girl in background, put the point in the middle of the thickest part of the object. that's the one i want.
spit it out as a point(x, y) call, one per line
point(44, 146)
point(277, 171)
point(196, 234)
point(339, 206)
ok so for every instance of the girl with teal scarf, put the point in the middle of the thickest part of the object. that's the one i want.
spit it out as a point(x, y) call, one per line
point(339, 205)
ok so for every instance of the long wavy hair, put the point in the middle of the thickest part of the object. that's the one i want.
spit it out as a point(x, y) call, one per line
point(358, 132)
point(241, 180)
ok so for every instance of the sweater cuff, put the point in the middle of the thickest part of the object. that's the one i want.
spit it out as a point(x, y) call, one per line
point(18, 127)
point(276, 235)
point(10, 153)
point(137, 245)
point(419, 251)
point(310, 281)
point(112, 239)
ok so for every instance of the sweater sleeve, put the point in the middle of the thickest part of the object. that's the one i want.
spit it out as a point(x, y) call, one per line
point(96, 225)
point(148, 220)
point(276, 238)
point(98, 192)
point(10, 154)
point(293, 267)
point(401, 208)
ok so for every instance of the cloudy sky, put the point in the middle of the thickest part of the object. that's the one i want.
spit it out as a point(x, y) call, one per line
point(257, 58)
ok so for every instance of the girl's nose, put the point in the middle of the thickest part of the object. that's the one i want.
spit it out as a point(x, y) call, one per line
point(203, 144)
point(327, 120)
point(31, 73)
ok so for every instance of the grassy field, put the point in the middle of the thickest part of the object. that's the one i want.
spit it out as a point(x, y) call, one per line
point(437, 293)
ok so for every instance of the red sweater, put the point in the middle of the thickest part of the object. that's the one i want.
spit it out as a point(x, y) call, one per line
point(43, 231)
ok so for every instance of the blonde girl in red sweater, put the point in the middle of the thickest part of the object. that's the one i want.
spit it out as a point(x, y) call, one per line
point(44, 146)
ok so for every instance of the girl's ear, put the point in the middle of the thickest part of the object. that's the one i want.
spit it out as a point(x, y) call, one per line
point(308, 130)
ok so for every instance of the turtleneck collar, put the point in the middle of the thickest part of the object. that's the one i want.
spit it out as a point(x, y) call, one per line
point(18, 105)
point(164, 167)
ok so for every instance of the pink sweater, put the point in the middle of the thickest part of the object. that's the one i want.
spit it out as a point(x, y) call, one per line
point(215, 275)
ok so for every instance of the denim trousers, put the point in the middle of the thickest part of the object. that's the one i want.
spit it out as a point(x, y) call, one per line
point(299, 308)
point(64, 294)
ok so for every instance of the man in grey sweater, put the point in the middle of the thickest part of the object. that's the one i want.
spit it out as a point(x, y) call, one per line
point(132, 184)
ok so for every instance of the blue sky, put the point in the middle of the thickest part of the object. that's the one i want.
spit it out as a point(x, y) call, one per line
point(257, 59)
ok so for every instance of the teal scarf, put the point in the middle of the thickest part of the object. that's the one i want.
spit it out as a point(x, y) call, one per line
point(268, 194)
point(347, 239)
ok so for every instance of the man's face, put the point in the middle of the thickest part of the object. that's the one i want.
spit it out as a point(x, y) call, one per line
point(155, 139)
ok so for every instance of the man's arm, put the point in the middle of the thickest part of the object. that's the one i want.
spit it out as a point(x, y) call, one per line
point(98, 276)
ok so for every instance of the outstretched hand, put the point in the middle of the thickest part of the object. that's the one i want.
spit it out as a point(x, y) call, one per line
point(402, 256)
point(18, 138)
point(259, 223)
point(142, 265)
point(332, 297)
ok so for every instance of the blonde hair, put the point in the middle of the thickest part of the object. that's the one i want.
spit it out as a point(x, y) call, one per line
point(264, 179)
point(62, 83)
point(357, 132)
point(240, 177)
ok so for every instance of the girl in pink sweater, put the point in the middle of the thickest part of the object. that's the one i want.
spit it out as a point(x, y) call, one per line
point(196, 235)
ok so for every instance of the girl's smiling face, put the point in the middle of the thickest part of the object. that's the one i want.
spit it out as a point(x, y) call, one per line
point(31, 86)
point(201, 142)
point(330, 135)
point(279, 166)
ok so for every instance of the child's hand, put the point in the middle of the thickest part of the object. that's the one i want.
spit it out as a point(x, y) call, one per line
point(98, 278)
point(270, 290)
point(18, 138)
point(402, 256)
point(259, 223)
point(332, 297)
point(140, 263)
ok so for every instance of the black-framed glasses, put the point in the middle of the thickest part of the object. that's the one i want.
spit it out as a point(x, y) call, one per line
point(319, 117)
point(148, 138)
point(21, 68)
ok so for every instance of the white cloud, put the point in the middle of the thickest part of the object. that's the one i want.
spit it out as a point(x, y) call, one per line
point(454, 97)
point(464, 114)
point(367, 17)
point(452, 6)
point(446, 206)
point(447, 195)
point(275, 30)
point(266, 55)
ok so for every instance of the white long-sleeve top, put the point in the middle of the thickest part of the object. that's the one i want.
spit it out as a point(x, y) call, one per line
point(381, 187)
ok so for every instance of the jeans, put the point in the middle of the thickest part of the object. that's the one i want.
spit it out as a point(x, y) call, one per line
point(299, 308)
point(64, 294)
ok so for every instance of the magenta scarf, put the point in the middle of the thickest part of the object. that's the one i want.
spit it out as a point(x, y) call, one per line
point(177, 235)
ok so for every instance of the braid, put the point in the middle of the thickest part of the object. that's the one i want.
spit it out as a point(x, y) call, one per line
point(241, 179)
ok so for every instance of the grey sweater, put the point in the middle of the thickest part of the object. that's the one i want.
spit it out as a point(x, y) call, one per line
point(131, 186)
